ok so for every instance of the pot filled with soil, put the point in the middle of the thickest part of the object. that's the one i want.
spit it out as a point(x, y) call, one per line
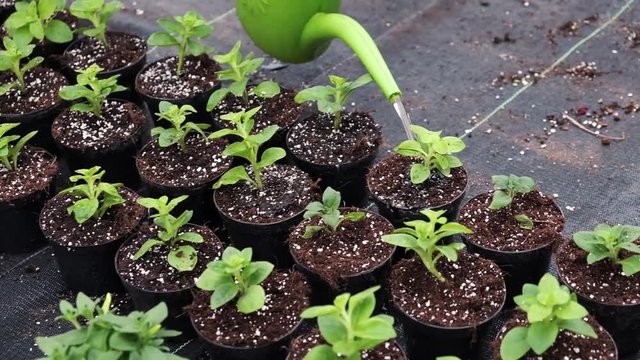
point(301, 346)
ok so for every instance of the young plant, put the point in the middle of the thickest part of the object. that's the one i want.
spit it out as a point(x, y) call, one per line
point(247, 149)
point(507, 187)
point(235, 276)
point(98, 12)
point(181, 129)
point(524, 222)
point(95, 197)
point(329, 212)
point(550, 308)
point(239, 70)
point(9, 151)
point(185, 32)
point(11, 59)
point(183, 257)
point(608, 242)
point(331, 99)
point(349, 327)
point(94, 90)
point(424, 237)
point(35, 20)
point(435, 153)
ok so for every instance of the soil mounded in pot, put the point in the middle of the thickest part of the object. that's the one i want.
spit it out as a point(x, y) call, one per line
point(124, 50)
point(160, 79)
point(301, 346)
point(36, 170)
point(43, 85)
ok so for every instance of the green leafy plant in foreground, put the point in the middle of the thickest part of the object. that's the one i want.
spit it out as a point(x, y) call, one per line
point(329, 212)
point(11, 60)
point(608, 242)
point(35, 20)
point(98, 12)
point(94, 90)
point(550, 309)
point(331, 99)
point(235, 276)
point(177, 116)
point(507, 187)
point(349, 326)
point(424, 237)
point(435, 153)
point(10, 151)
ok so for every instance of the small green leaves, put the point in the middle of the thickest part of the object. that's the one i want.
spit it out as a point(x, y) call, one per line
point(95, 197)
point(434, 151)
point(35, 20)
point(507, 187)
point(607, 242)
point(94, 90)
point(524, 222)
point(11, 146)
point(236, 277)
point(98, 12)
point(329, 213)
point(10, 59)
point(181, 129)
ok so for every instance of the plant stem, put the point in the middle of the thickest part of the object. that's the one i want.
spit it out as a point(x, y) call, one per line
point(337, 120)
point(181, 52)
point(258, 176)
point(245, 97)
point(583, 128)
point(6, 163)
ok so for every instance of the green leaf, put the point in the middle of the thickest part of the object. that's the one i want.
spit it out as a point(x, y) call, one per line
point(267, 89)
point(401, 240)
point(58, 32)
point(252, 300)
point(259, 271)
point(419, 173)
point(223, 294)
point(448, 251)
point(331, 199)
point(162, 39)
point(311, 230)
point(355, 216)
point(146, 247)
point(410, 148)
point(210, 280)
point(500, 182)
point(578, 326)
point(233, 176)
point(157, 314)
point(500, 200)
point(270, 156)
point(514, 344)
point(375, 328)
point(317, 311)
point(83, 209)
point(321, 352)
point(541, 336)
point(524, 222)
point(571, 310)
point(332, 329)
point(184, 258)
point(631, 265)
point(191, 237)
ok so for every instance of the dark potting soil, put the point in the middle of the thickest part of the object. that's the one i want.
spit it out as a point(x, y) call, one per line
point(301, 345)
point(602, 281)
point(315, 140)
point(161, 80)
point(62, 228)
point(124, 49)
point(287, 191)
point(36, 170)
point(473, 291)
point(287, 295)
point(43, 85)
point(389, 181)
point(152, 272)
point(567, 345)
point(354, 248)
point(120, 121)
point(201, 162)
point(499, 229)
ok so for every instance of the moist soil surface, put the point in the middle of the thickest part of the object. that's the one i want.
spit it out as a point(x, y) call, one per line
point(473, 291)
point(161, 79)
point(200, 162)
point(120, 220)
point(120, 122)
point(602, 281)
point(124, 50)
point(315, 140)
point(499, 229)
point(287, 191)
point(287, 295)
point(301, 345)
point(43, 85)
point(152, 272)
point(36, 170)
point(389, 181)
point(354, 248)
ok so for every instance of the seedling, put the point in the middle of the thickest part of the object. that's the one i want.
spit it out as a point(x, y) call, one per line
point(424, 237)
point(507, 187)
point(181, 129)
point(331, 99)
point(94, 90)
point(550, 308)
point(239, 70)
point(95, 197)
point(435, 153)
point(10, 60)
point(183, 257)
point(524, 222)
point(607, 242)
point(185, 32)
point(10, 151)
point(98, 12)
point(247, 149)
point(329, 212)
point(235, 276)
point(35, 20)
point(349, 327)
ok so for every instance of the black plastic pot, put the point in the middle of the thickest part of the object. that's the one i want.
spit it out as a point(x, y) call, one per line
point(404, 356)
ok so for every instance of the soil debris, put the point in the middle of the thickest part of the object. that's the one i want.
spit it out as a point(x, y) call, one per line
point(571, 28)
point(633, 35)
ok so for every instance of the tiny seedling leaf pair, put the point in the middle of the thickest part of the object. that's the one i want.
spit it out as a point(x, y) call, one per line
point(98, 12)
point(181, 129)
point(610, 242)
point(12, 145)
point(11, 60)
point(507, 187)
point(35, 20)
point(329, 213)
point(92, 89)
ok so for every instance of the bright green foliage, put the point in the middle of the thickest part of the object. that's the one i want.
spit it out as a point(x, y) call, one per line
point(524, 222)
point(186, 33)
point(94, 90)
point(183, 257)
point(550, 308)
point(424, 237)
point(607, 242)
point(181, 129)
point(349, 327)
point(331, 99)
point(99, 334)
point(239, 70)
point(98, 12)
point(96, 197)
point(236, 277)
point(10, 151)
point(247, 148)
point(435, 153)
point(329, 212)
point(10, 60)
point(507, 187)
point(35, 20)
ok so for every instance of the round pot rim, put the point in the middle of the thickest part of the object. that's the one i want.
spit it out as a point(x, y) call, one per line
point(49, 185)
point(9, 117)
point(393, 341)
